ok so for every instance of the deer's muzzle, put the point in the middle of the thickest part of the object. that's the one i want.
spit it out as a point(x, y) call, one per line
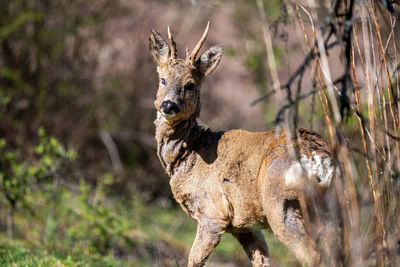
point(169, 108)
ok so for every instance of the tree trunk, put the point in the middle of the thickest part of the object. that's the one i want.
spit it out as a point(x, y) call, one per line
point(10, 221)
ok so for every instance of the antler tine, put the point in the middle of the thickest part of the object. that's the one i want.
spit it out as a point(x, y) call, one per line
point(172, 44)
point(187, 53)
point(199, 44)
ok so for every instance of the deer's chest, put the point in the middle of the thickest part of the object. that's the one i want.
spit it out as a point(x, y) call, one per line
point(201, 197)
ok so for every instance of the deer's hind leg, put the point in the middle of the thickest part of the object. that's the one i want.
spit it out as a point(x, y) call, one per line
point(253, 243)
point(287, 225)
point(330, 236)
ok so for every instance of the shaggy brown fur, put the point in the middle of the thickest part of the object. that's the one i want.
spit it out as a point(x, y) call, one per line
point(232, 181)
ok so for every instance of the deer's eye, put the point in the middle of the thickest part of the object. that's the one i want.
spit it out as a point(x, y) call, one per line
point(163, 81)
point(189, 87)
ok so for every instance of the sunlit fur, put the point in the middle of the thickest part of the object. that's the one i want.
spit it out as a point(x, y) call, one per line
point(238, 181)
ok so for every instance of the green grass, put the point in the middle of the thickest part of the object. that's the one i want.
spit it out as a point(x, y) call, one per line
point(16, 253)
point(151, 225)
point(114, 233)
point(175, 227)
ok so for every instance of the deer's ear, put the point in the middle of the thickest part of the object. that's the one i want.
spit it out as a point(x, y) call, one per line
point(210, 59)
point(159, 48)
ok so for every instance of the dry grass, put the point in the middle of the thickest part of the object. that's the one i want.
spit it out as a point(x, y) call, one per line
point(367, 91)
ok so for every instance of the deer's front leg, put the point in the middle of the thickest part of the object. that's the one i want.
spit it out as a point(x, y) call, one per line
point(207, 238)
point(256, 249)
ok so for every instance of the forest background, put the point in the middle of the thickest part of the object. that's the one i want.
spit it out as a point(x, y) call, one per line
point(80, 182)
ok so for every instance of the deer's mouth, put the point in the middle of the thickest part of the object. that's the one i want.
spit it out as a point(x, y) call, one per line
point(168, 116)
point(171, 119)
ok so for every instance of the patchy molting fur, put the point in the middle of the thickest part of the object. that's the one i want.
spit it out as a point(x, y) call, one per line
point(235, 180)
point(318, 167)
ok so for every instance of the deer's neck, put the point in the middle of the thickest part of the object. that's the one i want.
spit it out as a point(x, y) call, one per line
point(175, 142)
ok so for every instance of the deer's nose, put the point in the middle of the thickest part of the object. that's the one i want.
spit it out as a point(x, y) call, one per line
point(169, 107)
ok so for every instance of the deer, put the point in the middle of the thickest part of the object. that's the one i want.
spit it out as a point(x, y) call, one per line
point(240, 182)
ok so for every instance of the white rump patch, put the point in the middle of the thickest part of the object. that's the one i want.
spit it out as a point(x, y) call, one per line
point(318, 167)
point(294, 174)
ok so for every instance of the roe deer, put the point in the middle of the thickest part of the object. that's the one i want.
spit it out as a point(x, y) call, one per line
point(235, 180)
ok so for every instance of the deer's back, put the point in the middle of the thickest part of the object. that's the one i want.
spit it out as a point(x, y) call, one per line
point(228, 179)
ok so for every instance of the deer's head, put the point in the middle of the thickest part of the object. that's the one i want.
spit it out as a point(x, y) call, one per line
point(180, 80)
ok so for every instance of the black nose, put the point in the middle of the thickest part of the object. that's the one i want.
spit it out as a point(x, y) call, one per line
point(169, 107)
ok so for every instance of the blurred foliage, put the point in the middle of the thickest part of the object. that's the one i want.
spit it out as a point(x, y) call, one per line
point(44, 66)
point(14, 253)
point(49, 80)
point(14, 176)
point(50, 77)
point(272, 9)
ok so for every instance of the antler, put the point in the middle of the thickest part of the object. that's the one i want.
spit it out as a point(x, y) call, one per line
point(172, 44)
point(199, 44)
